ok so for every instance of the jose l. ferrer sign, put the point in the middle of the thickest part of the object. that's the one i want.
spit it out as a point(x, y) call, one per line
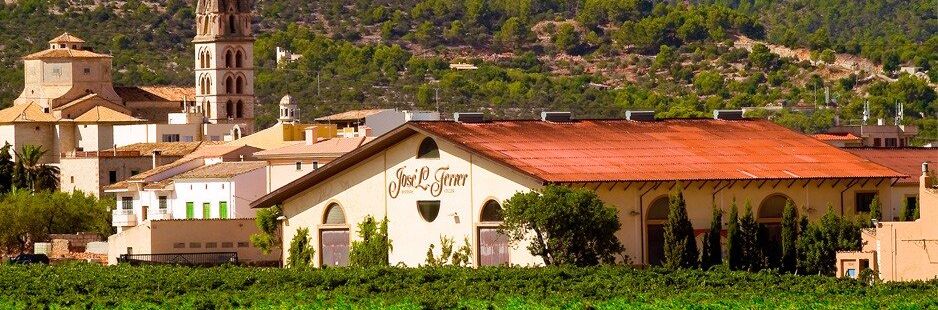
point(435, 181)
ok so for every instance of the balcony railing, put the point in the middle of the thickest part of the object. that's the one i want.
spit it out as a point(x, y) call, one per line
point(185, 259)
point(123, 218)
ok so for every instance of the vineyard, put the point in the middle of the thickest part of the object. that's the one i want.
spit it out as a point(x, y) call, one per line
point(90, 286)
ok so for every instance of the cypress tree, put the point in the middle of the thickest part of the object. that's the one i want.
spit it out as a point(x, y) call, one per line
point(733, 245)
point(916, 215)
point(680, 246)
point(712, 254)
point(789, 237)
point(904, 214)
point(749, 239)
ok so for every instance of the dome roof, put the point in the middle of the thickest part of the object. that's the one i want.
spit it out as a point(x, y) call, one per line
point(287, 100)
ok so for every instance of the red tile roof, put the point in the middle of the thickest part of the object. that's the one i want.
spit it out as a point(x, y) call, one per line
point(624, 151)
point(836, 136)
point(678, 149)
point(907, 161)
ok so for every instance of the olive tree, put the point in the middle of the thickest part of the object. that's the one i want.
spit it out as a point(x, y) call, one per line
point(564, 226)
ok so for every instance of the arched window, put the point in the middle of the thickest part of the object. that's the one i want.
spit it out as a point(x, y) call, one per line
point(429, 209)
point(334, 215)
point(239, 85)
point(428, 149)
point(654, 229)
point(772, 208)
point(228, 59)
point(491, 212)
point(229, 84)
point(229, 109)
point(240, 109)
point(236, 133)
point(239, 59)
point(769, 216)
point(232, 28)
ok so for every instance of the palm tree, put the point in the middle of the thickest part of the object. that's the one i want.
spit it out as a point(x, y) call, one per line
point(31, 174)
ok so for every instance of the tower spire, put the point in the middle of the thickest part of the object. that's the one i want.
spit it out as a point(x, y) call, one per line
point(224, 62)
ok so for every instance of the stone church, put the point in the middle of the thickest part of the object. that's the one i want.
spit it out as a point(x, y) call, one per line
point(69, 102)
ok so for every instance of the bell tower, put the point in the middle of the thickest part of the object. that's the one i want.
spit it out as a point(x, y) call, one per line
point(224, 62)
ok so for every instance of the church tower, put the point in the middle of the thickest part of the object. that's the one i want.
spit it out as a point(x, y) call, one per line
point(224, 62)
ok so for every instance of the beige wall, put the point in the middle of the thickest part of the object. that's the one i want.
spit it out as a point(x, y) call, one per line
point(190, 236)
point(55, 82)
point(281, 172)
point(363, 190)
point(90, 174)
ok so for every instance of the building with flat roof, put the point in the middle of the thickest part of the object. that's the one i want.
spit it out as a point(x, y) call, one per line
point(899, 250)
point(287, 163)
point(449, 178)
point(908, 161)
point(374, 122)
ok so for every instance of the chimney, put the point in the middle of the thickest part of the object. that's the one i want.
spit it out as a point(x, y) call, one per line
point(156, 157)
point(469, 117)
point(645, 116)
point(728, 114)
point(310, 135)
point(556, 117)
point(880, 121)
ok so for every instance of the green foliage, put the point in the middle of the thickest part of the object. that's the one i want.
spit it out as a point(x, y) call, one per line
point(680, 245)
point(828, 56)
point(6, 168)
point(712, 254)
point(27, 217)
point(708, 82)
point(459, 258)
point(29, 171)
point(301, 252)
point(789, 260)
point(567, 39)
point(129, 287)
point(820, 241)
point(373, 245)
point(750, 246)
point(734, 244)
point(564, 226)
point(876, 211)
point(908, 212)
point(762, 57)
point(268, 224)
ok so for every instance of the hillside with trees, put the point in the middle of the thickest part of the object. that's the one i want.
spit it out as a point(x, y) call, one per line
point(596, 58)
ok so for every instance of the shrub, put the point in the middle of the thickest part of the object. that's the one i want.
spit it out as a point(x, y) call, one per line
point(564, 225)
point(680, 246)
point(301, 250)
point(373, 246)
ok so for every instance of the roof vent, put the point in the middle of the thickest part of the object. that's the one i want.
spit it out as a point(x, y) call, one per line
point(640, 115)
point(469, 117)
point(557, 117)
point(728, 114)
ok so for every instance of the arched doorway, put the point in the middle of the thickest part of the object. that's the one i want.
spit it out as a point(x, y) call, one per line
point(654, 229)
point(769, 217)
point(493, 245)
point(334, 237)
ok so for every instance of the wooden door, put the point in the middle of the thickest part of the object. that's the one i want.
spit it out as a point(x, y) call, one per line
point(493, 247)
point(334, 247)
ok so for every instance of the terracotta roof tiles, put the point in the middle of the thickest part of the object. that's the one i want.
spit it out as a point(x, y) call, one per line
point(222, 170)
point(156, 93)
point(351, 115)
point(677, 149)
point(907, 161)
point(102, 114)
point(64, 53)
point(334, 147)
point(26, 113)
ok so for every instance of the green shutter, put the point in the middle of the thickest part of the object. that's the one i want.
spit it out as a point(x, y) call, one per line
point(206, 210)
point(190, 210)
point(223, 209)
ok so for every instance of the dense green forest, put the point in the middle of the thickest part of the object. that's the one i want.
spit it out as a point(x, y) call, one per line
point(596, 58)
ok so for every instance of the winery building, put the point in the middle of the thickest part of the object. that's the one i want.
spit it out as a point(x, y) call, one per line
point(434, 179)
